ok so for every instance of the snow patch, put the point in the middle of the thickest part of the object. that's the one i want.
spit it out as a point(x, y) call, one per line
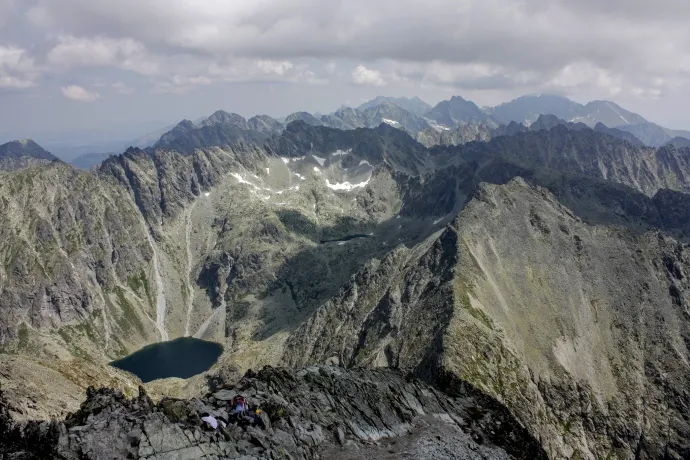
point(316, 169)
point(321, 161)
point(241, 180)
point(346, 185)
point(207, 194)
point(340, 153)
point(364, 162)
point(342, 243)
point(390, 122)
point(439, 220)
point(268, 170)
point(288, 160)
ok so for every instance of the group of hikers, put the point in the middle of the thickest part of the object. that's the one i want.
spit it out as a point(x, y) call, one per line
point(242, 413)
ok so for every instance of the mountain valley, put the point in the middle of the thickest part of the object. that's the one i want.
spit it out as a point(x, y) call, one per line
point(535, 274)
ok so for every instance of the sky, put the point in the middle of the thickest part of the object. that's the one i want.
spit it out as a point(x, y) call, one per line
point(95, 71)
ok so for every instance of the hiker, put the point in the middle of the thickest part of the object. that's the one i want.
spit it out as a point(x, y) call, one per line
point(214, 422)
point(240, 406)
point(210, 420)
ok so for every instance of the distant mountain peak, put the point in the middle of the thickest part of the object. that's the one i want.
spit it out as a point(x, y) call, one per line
point(305, 117)
point(413, 105)
point(457, 111)
point(221, 117)
point(25, 148)
point(24, 152)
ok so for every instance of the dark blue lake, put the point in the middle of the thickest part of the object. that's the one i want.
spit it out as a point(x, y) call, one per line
point(183, 358)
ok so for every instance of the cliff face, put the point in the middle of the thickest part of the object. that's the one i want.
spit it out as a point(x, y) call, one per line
point(581, 331)
point(70, 243)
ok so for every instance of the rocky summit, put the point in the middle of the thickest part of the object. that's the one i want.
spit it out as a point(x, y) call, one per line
point(318, 412)
point(384, 283)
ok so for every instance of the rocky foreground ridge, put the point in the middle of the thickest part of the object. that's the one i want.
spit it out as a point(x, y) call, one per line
point(318, 412)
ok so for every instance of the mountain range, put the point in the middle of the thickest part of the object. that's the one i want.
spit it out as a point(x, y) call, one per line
point(457, 120)
point(531, 274)
point(450, 122)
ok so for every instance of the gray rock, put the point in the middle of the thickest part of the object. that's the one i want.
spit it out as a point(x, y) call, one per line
point(378, 415)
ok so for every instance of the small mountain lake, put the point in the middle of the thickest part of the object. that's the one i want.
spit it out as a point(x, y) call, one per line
point(346, 238)
point(183, 358)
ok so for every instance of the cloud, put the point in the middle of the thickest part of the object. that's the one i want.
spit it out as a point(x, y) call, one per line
point(122, 88)
point(124, 53)
point(330, 67)
point(363, 76)
point(523, 43)
point(77, 93)
point(17, 68)
point(180, 84)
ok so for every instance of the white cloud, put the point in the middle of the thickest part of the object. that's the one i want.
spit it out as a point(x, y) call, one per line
point(77, 93)
point(485, 49)
point(240, 70)
point(17, 68)
point(39, 17)
point(275, 67)
point(363, 76)
point(124, 53)
point(517, 42)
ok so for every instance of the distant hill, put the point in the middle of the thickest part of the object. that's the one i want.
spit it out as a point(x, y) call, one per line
point(90, 160)
point(413, 105)
point(679, 142)
point(22, 153)
point(526, 109)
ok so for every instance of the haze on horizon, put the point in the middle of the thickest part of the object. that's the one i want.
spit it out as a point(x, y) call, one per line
point(98, 69)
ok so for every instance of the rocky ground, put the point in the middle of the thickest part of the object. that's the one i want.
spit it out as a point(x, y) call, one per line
point(316, 413)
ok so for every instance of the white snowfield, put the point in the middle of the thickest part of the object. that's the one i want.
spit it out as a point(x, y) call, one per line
point(320, 160)
point(346, 185)
point(391, 122)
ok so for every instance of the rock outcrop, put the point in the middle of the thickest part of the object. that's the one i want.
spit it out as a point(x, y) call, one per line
point(319, 412)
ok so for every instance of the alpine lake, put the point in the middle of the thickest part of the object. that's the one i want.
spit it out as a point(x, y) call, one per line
point(183, 358)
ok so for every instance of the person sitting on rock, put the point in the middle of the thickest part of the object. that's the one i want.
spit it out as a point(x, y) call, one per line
point(240, 406)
